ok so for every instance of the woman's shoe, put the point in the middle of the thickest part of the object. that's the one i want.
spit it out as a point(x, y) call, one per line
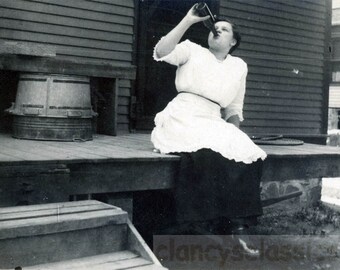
point(241, 237)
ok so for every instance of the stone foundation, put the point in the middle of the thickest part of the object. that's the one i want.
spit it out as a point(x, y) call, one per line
point(311, 193)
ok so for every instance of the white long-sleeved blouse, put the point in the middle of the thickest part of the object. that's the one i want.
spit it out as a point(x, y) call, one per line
point(201, 73)
point(192, 122)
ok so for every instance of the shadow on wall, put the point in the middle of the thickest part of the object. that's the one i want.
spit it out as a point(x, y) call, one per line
point(8, 89)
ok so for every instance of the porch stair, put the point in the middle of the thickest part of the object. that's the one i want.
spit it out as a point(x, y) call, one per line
point(72, 235)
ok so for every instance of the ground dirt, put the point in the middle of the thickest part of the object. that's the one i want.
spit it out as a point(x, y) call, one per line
point(315, 227)
point(316, 220)
point(289, 236)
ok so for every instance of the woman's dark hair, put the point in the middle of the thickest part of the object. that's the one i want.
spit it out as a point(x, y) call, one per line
point(236, 33)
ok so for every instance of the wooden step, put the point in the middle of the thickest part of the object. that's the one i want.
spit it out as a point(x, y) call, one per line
point(112, 261)
point(55, 232)
point(72, 235)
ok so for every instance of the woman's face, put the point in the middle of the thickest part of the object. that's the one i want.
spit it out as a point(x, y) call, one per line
point(225, 39)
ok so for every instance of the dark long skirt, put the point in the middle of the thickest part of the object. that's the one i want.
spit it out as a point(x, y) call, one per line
point(210, 186)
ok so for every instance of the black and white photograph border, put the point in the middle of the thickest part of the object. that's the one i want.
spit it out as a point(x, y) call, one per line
point(169, 134)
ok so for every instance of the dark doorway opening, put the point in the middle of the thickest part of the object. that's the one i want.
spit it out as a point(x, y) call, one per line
point(155, 80)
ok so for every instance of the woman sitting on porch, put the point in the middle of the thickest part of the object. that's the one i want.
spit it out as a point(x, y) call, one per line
point(220, 170)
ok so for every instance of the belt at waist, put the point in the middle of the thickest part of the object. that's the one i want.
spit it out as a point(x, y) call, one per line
point(201, 97)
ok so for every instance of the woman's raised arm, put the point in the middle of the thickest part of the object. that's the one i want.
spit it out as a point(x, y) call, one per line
point(168, 42)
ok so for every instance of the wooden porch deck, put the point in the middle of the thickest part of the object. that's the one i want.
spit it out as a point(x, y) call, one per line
point(130, 147)
point(127, 163)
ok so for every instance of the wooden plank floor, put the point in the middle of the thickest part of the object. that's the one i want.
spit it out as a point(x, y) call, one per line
point(130, 147)
point(283, 162)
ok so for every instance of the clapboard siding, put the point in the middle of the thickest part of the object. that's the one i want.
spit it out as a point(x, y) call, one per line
point(88, 5)
point(72, 46)
point(80, 24)
point(46, 32)
point(124, 105)
point(286, 42)
point(124, 101)
point(289, 82)
point(118, 2)
point(286, 116)
point(270, 71)
point(67, 30)
point(258, 92)
point(275, 27)
point(288, 65)
point(283, 88)
point(305, 4)
point(278, 130)
point(83, 30)
point(259, 31)
point(270, 108)
point(277, 14)
point(255, 122)
point(59, 8)
point(284, 46)
point(278, 102)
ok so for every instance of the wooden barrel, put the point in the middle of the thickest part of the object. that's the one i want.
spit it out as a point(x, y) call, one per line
point(52, 107)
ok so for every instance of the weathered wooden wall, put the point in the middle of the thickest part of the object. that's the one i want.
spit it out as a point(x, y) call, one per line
point(285, 44)
point(85, 30)
point(334, 89)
